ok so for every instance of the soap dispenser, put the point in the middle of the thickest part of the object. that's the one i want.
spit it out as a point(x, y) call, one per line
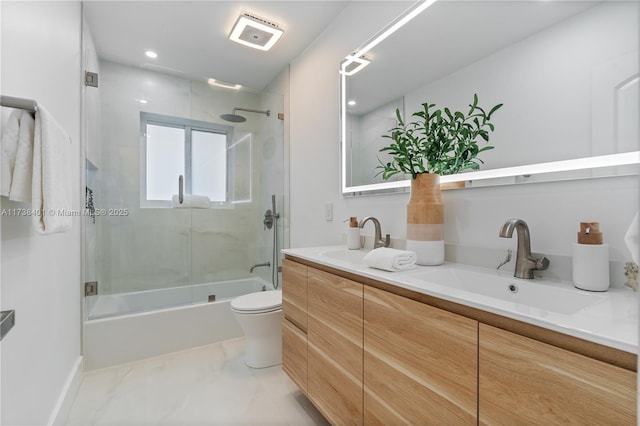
point(353, 234)
point(590, 259)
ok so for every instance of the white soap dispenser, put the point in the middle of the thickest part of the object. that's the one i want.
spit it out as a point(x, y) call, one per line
point(353, 234)
point(590, 259)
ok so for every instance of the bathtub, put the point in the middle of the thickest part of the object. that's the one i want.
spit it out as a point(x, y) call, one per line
point(131, 326)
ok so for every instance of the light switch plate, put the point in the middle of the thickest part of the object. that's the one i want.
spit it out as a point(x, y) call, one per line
point(328, 212)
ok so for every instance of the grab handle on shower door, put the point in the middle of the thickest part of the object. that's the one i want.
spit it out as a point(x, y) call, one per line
point(181, 189)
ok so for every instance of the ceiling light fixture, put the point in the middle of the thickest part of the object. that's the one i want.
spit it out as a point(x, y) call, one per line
point(252, 31)
point(218, 83)
point(151, 54)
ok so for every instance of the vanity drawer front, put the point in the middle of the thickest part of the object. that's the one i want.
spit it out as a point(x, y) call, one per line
point(524, 381)
point(420, 363)
point(335, 347)
point(294, 354)
point(294, 293)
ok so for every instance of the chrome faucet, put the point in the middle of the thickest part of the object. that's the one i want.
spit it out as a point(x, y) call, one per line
point(257, 265)
point(525, 262)
point(377, 239)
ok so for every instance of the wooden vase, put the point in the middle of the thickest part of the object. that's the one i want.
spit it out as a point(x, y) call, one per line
point(425, 220)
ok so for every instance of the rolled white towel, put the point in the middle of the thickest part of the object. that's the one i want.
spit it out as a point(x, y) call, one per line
point(390, 259)
point(190, 202)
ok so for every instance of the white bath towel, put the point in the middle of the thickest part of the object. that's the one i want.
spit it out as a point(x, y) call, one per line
point(191, 202)
point(23, 170)
point(390, 259)
point(17, 156)
point(51, 181)
point(9, 150)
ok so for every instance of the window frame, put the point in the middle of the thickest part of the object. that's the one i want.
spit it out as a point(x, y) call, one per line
point(188, 125)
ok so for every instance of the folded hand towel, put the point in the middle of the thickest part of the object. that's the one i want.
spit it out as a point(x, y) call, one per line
point(390, 259)
point(51, 181)
point(190, 202)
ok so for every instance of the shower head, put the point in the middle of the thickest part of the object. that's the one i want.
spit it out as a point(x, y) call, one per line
point(235, 118)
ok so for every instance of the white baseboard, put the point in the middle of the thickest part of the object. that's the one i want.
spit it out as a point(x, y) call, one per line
point(67, 395)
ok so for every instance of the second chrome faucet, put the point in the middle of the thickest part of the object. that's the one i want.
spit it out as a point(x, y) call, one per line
point(525, 262)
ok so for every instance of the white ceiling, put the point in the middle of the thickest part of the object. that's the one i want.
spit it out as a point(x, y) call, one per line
point(191, 37)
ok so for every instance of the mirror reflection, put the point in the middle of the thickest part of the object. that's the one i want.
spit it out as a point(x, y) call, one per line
point(567, 73)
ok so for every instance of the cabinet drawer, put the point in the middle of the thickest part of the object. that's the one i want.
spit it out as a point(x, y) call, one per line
point(420, 363)
point(294, 293)
point(335, 347)
point(294, 354)
point(523, 381)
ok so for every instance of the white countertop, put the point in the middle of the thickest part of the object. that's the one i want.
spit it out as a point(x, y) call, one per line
point(612, 320)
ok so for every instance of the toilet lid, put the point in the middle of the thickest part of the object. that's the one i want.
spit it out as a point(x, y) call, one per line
point(260, 301)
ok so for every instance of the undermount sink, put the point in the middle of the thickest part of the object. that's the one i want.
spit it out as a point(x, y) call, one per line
point(543, 294)
point(558, 297)
point(346, 255)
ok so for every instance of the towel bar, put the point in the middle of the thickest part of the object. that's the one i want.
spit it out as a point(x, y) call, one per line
point(20, 103)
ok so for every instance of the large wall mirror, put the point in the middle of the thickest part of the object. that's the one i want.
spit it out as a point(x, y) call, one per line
point(566, 72)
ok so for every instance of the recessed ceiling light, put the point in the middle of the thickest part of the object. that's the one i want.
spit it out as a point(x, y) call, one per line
point(142, 101)
point(218, 83)
point(255, 32)
point(351, 103)
point(151, 54)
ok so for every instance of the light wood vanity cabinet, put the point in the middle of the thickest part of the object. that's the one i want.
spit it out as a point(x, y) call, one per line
point(420, 363)
point(363, 354)
point(335, 347)
point(523, 381)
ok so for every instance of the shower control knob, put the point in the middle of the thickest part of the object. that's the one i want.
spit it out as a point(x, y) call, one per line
point(268, 219)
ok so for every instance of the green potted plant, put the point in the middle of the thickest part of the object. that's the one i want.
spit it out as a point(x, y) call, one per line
point(438, 142)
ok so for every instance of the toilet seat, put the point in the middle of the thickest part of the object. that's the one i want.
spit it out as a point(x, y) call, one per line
point(261, 302)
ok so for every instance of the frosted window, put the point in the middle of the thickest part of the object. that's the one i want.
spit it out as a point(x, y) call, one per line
point(209, 165)
point(174, 146)
point(165, 160)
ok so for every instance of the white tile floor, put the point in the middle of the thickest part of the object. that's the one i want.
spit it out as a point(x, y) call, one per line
point(208, 385)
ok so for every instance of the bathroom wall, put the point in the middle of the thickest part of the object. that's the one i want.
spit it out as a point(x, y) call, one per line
point(199, 245)
point(40, 278)
point(473, 216)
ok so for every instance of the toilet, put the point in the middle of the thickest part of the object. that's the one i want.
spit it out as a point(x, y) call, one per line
point(260, 316)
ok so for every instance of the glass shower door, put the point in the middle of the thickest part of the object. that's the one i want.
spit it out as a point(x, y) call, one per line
point(137, 243)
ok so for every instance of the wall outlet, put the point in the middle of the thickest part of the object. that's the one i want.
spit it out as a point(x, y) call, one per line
point(328, 212)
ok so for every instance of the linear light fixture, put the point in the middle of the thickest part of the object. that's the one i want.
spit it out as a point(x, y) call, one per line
point(414, 11)
point(255, 32)
point(361, 62)
point(218, 83)
point(596, 162)
point(611, 160)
